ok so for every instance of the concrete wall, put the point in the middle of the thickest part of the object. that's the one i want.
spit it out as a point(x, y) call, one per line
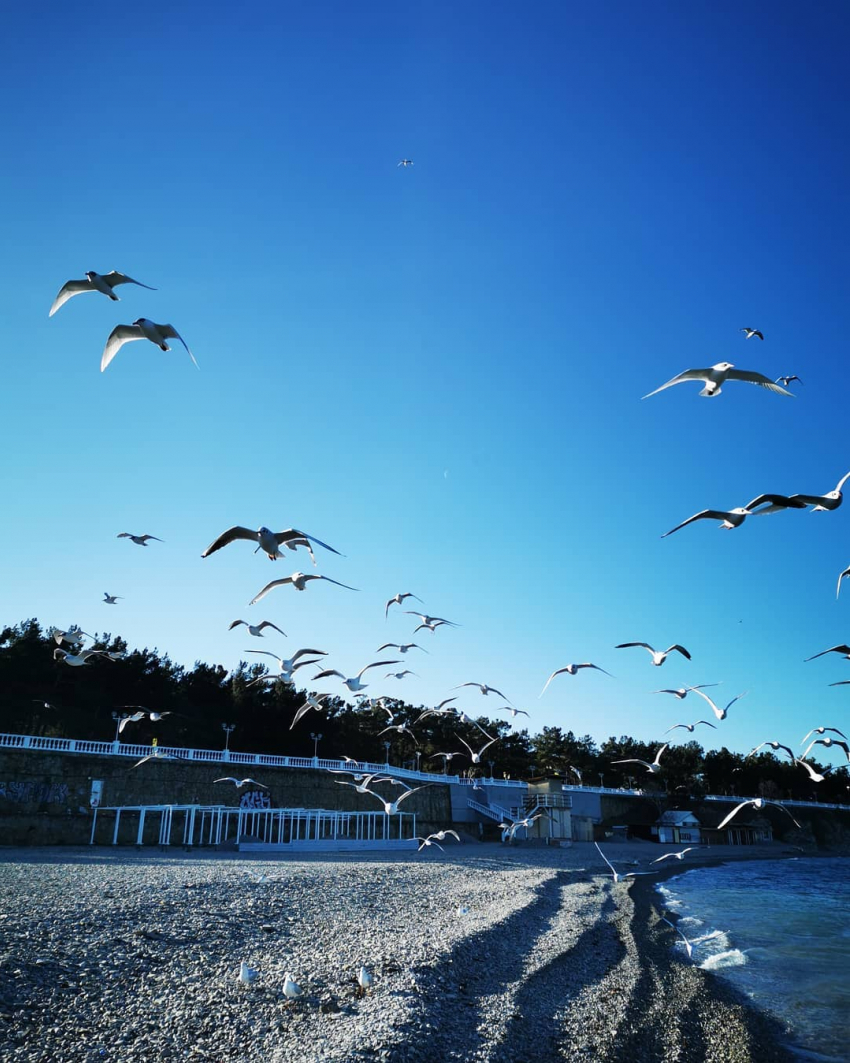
point(44, 797)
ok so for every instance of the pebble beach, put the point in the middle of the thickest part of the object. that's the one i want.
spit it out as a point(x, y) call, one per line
point(481, 953)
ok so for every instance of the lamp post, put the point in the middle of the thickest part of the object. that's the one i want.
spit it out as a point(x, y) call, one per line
point(227, 728)
point(418, 756)
point(601, 783)
point(387, 753)
point(118, 717)
point(491, 763)
point(316, 739)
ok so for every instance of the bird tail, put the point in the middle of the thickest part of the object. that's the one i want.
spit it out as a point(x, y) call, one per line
point(710, 390)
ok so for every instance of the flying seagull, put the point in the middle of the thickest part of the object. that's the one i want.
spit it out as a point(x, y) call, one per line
point(239, 783)
point(842, 649)
point(299, 581)
point(678, 856)
point(401, 729)
point(111, 599)
point(400, 675)
point(391, 807)
point(734, 518)
point(786, 380)
point(157, 754)
point(256, 629)
point(484, 688)
point(813, 775)
point(94, 282)
point(427, 621)
point(514, 712)
point(828, 743)
point(846, 572)
point(774, 746)
point(397, 599)
point(288, 665)
point(139, 714)
point(139, 540)
point(75, 660)
point(719, 713)
point(717, 375)
point(823, 730)
point(405, 162)
point(822, 503)
point(658, 656)
point(569, 669)
point(434, 839)
point(401, 649)
point(268, 541)
point(141, 329)
point(616, 874)
point(654, 767)
point(688, 946)
point(752, 332)
point(682, 692)
point(354, 684)
point(73, 636)
point(314, 701)
point(476, 757)
point(758, 803)
point(687, 726)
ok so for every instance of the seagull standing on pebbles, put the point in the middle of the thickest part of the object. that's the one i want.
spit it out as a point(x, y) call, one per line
point(291, 989)
point(401, 649)
point(141, 329)
point(257, 629)
point(247, 974)
point(397, 599)
point(658, 656)
point(569, 669)
point(139, 540)
point(364, 979)
point(94, 282)
point(299, 581)
point(714, 377)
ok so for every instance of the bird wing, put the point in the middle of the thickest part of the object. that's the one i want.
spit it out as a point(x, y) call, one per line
point(757, 378)
point(633, 761)
point(596, 666)
point(336, 581)
point(549, 680)
point(675, 725)
point(171, 333)
point(292, 533)
point(605, 858)
point(68, 291)
point(733, 813)
point(705, 514)
point(237, 532)
point(228, 778)
point(689, 374)
point(644, 645)
point(327, 672)
point(707, 723)
point(114, 277)
point(376, 664)
point(270, 587)
point(120, 335)
point(842, 481)
point(679, 649)
point(267, 653)
point(773, 503)
point(268, 623)
point(387, 646)
point(832, 649)
point(846, 572)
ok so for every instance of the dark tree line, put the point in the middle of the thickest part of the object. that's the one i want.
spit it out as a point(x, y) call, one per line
point(42, 696)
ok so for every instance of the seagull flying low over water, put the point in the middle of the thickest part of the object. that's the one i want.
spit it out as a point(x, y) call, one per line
point(299, 581)
point(688, 946)
point(682, 692)
point(141, 329)
point(569, 669)
point(256, 629)
point(314, 701)
point(720, 713)
point(354, 684)
point(687, 726)
point(239, 783)
point(111, 599)
point(139, 540)
point(654, 767)
point(678, 856)
point(714, 377)
point(823, 730)
point(268, 541)
point(397, 599)
point(94, 282)
point(786, 380)
point(752, 332)
point(758, 803)
point(658, 656)
point(734, 518)
point(774, 746)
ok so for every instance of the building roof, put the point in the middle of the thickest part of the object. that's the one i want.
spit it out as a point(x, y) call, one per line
point(677, 819)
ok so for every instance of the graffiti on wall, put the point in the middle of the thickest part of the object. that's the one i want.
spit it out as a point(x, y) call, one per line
point(254, 799)
point(31, 792)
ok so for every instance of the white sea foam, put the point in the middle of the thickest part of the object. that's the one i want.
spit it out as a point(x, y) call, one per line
point(716, 940)
point(730, 958)
point(691, 920)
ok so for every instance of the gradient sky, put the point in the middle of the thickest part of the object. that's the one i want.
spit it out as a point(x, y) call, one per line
point(438, 369)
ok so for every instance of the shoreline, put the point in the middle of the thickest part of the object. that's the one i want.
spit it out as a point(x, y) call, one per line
point(552, 961)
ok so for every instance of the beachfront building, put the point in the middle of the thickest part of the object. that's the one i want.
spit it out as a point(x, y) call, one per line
point(546, 794)
point(755, 830)
point(679, 828)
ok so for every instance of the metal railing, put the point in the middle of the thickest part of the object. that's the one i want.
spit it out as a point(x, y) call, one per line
point(41, 744)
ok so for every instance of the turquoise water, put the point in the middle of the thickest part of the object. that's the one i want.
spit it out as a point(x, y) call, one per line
point(779, 930)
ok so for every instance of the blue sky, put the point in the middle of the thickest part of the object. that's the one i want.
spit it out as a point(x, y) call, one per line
point(438, 370)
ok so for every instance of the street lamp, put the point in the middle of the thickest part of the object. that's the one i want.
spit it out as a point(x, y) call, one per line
point(119, 718)
point(491, 763)
point(418, 756)
point(227, 728)
point(387, 753)
point(601, 783)
point(316, 739)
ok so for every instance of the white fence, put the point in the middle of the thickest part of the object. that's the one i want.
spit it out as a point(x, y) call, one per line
point(41, 744)
point(308, 829)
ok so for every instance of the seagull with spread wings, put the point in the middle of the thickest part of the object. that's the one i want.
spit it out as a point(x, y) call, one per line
point(654, 767)
point(391, 807)
point(658, 656)
point(828, 743)
point(715, 376)
point(786, 380)
point(257, 629)
point(139, 540)
point(823, 730)
point(314, 701)
point(569, 669)
point(397, 599)
point(689, 727)
point(268, 541)
point(401, 649)
point(752, 332)
point(476, 757)
point(720, 713)
point(353, 683)
point(682, 692)
point(141, 329)
point(758, 803)
point(94, 282)
point(289, 665)
point(76, 660)
point(112, 599)
point(841, 648)
point(239, 783)
point(484, 688)
point(734, 518)
point(299, 581)
point(774, 746)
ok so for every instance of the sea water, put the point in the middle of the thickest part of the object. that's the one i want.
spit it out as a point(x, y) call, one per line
point(778, 930)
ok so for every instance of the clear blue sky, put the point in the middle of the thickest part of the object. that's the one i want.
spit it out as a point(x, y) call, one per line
point(438, 369)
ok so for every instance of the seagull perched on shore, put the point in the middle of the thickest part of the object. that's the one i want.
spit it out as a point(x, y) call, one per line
point(94, 282)
point(111, 599)
point(139, 540)
point(75, 660)
point(291, 989)
point(682, 692)
point(268, 541)
point(774, 746)
point(720, 713)
point(247, 974)
point(758, 803)
point(364, 979)
point(654, 767)
point(141, 329)
point(239, 783)
point(397, 599)
point(476, 757)
point(658, 656)
point(828, 743)
point(299, 581)
point(786, 380)
point(484, 688)
point(752, 332)
point(354, 683)
point(714, 377)
point(678, 856)
point(257, 629)
point(689, 727)
point(569, 669)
